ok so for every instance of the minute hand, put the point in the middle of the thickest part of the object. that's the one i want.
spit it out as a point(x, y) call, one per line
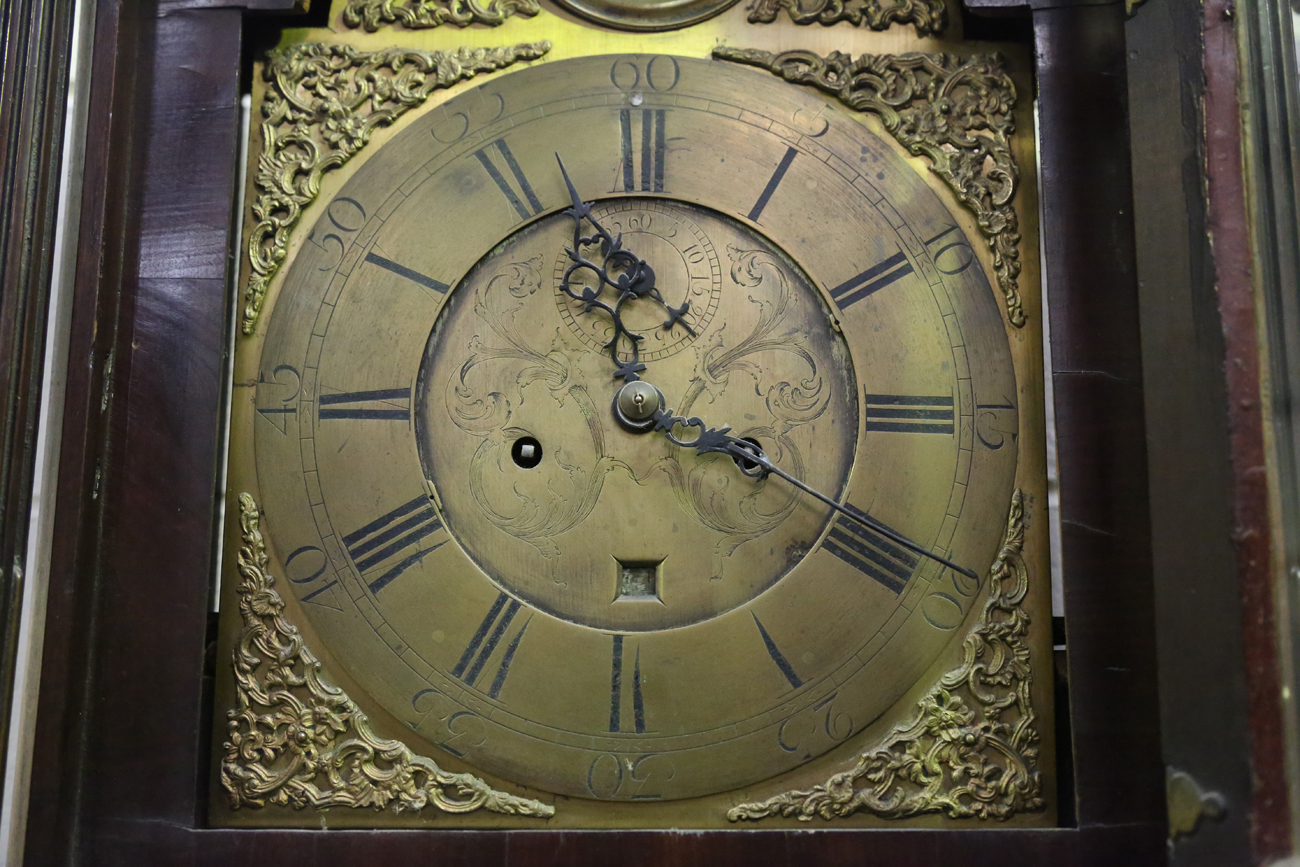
point(754, 462)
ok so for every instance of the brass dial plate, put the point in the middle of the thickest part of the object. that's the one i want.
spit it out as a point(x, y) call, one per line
point(646, 14)
point(569, 689)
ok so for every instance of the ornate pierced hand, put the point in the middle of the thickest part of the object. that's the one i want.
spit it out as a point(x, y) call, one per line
point(623, 272)
point(640, 406)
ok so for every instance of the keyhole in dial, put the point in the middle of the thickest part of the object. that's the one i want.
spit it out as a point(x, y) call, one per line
point(747, 466)
point(526, 452)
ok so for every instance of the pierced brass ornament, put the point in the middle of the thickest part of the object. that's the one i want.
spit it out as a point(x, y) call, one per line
point(928, 16)
point(298, 741)
point(969, 751)
point(321, 106)
point(956, 113)
point(424, 14)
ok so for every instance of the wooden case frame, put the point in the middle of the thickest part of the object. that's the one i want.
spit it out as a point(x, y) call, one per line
point(120, 758)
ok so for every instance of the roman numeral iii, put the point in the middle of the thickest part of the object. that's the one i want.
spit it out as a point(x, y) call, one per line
point(905, 413)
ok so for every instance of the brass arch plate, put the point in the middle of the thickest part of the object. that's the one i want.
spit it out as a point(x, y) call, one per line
point(646, 14)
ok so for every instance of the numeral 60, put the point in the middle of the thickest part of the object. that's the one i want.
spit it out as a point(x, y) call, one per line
point(661, 73)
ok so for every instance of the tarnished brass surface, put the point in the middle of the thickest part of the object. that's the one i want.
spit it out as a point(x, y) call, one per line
point(641, 636)
point(957, 113)
point(297, 740)
point(321, 108)
point(971, 750)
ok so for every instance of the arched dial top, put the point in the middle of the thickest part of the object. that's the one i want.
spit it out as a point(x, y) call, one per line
point(566, 603)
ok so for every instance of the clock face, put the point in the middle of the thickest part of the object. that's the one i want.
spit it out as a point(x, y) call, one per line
point(575, 606)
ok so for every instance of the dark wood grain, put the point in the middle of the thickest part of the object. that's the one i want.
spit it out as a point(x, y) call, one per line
point(1198, 602)
point(122, 724)
point(35, 41)
point(1228, 224)
point(1101, 435)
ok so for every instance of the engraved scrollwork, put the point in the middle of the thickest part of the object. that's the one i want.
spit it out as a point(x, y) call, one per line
point(297, 741)
point(423, 14)
point(699, 489)
point(506, 368)
point(322, 104)
point(928, 16)
point(956, 113)
point(969, 750)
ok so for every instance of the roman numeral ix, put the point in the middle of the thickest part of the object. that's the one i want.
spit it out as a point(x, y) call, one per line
point(375, 544)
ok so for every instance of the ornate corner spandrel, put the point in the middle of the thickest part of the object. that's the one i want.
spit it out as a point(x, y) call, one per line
point(322, 103)
point(424, 14)
point(298, 741)
point(928, 16)
point(956, 113)
point(969, 750)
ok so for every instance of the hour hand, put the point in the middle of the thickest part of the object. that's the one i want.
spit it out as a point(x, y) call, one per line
point(627, 276)
point(749, 457)
point(579, 209)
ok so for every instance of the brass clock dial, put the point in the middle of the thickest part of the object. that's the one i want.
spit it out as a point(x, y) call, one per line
point(574, 606)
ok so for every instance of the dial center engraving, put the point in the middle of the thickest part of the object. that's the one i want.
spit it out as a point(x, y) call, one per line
point(511, 359)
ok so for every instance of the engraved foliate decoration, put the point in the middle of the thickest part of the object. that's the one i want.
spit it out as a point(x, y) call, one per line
point(297, 741)
point(956, 113)
point(928, 16)
point(969, 749)
point(424, 14)
point(321, 106)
